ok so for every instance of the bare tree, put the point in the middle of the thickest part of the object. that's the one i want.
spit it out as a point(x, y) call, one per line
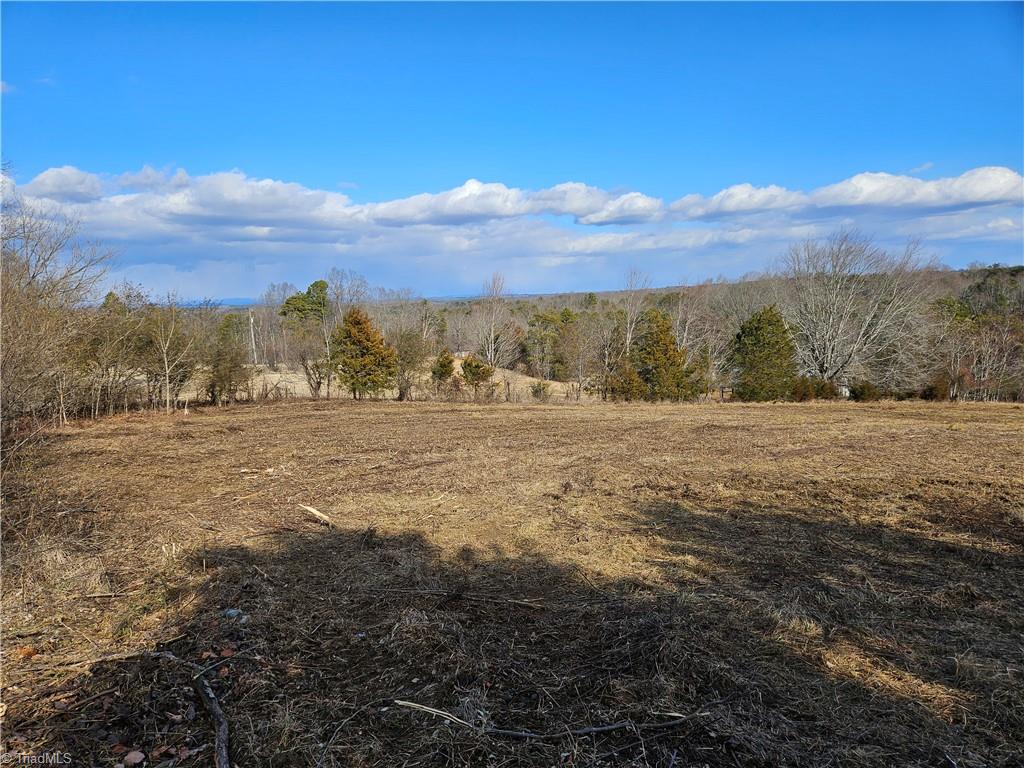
point(578, 346)
point(495, 328)
point(703, 331)
point(458, 328)
point(608, 346)
point(846, 300)
point(306, 351)
point(175, 332)
point(46, 273)
point(347, 289)
point(271, 330)
point(638, 286)
point(109, 349)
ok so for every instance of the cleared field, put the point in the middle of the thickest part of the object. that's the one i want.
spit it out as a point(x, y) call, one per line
point(830, 584)
point(508, 386)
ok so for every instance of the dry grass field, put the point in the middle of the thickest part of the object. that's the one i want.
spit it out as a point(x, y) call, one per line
point(284, 383)
point(719, 585)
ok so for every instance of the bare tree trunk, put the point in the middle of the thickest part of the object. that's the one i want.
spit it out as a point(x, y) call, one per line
point(252, 338)
point(167, 385)
point(637, 285)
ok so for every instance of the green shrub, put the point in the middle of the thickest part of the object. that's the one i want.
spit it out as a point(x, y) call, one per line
point(626, 384)
point(937, 389)
point(475, 372)
point(864, 391)
point(443, 368)
point(826, 390)
point(808, 388)
point(540, 390)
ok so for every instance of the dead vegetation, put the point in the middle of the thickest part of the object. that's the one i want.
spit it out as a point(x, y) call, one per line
point(829, 584)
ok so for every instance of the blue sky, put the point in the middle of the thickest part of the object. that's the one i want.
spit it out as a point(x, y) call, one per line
point(218, 147)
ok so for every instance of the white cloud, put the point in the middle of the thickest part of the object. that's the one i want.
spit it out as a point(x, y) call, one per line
point(739, 198)
point(571, 198)
point(479, 201)
point(975, 187)
point(473, 201)
point(65, 184)
point(149, 178)
point(6, 87)
point(631, 208)
point(174, 229)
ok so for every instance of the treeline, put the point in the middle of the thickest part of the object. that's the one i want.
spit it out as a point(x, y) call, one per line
point(839, 317)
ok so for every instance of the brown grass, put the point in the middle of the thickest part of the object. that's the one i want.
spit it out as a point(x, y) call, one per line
point(830, 584)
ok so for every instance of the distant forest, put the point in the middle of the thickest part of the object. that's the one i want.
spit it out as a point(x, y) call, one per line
point(837, 317)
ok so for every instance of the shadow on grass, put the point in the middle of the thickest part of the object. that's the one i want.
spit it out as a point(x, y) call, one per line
point(789, 641)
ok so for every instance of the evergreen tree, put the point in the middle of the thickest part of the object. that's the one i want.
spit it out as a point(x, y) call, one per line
point(443, 368)
point(476, 372)
point(410, 352)
point(308, 320)
point(625, 383)
point(542, 348)
point(363, 360)
point(659, 362)
point(764, 357)
point(311, 303)
point(228, 360)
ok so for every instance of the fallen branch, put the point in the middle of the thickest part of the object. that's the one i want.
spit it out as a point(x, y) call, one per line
point(202, 687)
point(320, 516)
point(438, 712)
point(221, 756)
point(82, 703)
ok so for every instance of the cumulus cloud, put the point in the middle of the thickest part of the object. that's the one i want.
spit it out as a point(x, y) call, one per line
point(739, 198)
point(571, 198)
point(479, 201)
point(631, 208)
point(975, 187)
point(173, 229)
point(979, 186)
point(65, 184)
point(473, 201)
point(149, 178)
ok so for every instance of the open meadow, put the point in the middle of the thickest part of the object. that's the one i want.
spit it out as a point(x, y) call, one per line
point(535, 585)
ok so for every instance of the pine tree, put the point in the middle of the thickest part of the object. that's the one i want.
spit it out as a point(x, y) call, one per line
point(311, 303)
point(764, 357)
point(364, 361)
point(443, 368)
point(659, 362)
point(476, 372)
point(410, 352)
point(228, 360)
point(308, 320)
point(625, 383)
